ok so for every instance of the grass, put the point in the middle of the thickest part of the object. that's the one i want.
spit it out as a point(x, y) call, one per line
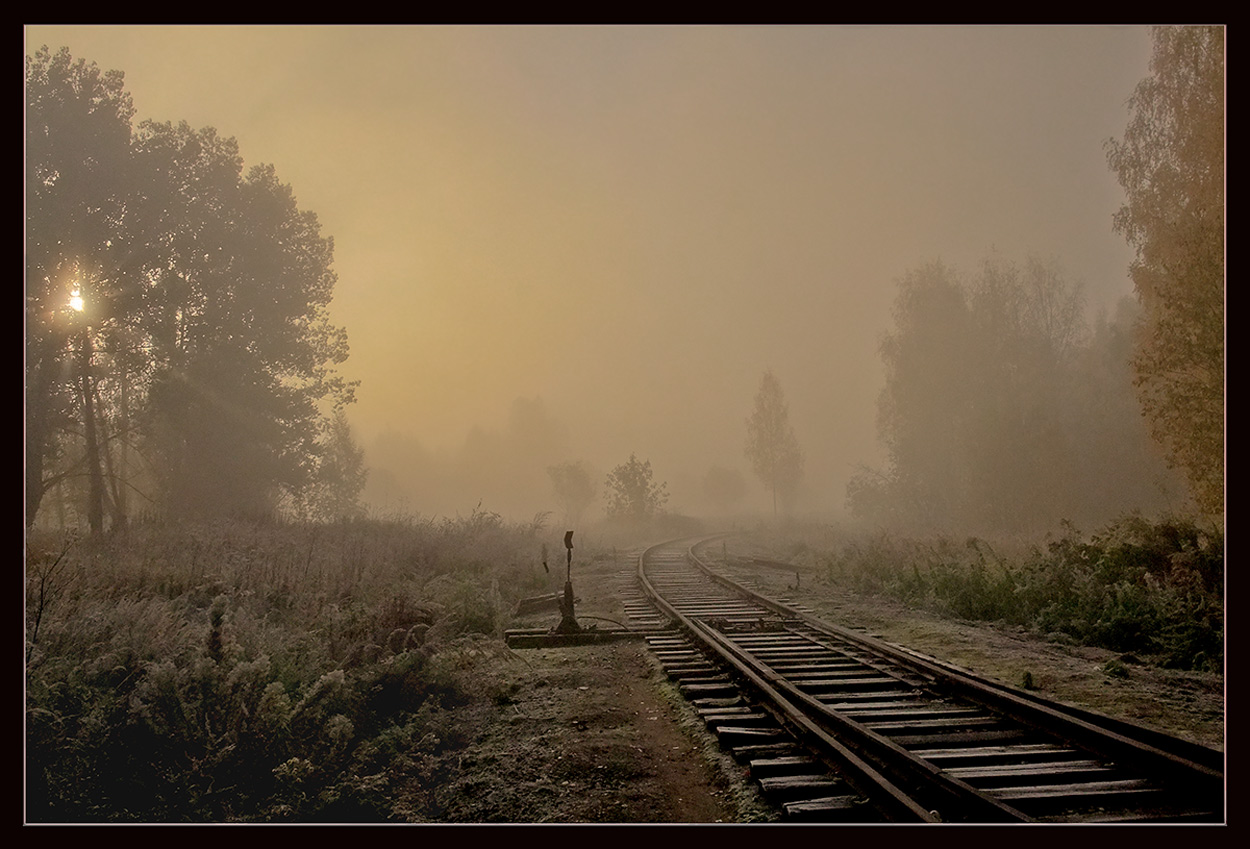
point(1148, 588)
point(257, 672)
point(236, 672)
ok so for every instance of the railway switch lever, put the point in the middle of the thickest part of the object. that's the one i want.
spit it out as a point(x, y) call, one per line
point(568, 622)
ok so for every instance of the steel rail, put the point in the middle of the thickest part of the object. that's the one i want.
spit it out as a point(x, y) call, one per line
point(901, 804)
point(1189, 772)
point(1192, 771)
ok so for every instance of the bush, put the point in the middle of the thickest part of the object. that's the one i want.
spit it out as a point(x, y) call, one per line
point(1152, 588)
point(236, 672)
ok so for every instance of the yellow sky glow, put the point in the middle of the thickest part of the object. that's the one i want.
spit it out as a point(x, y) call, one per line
point(633, 223)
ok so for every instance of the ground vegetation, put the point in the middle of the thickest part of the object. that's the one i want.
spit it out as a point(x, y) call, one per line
point(355, 671)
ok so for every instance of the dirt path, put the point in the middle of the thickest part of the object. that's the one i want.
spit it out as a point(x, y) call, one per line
point(590, 738)
point(591, 734)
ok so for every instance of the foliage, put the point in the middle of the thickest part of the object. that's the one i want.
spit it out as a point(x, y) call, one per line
point(574, 490)
point(78, 167)
point(631, 493)
point(193, 367)
point(1142, 587)
point(340, 475)
point(255, 671)
point(771, 445)
point(1001, 411)
point(1171, 165)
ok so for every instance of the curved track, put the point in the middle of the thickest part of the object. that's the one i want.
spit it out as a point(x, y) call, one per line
point(845, 727)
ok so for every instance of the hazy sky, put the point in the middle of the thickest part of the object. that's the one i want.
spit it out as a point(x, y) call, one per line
point(633, 223)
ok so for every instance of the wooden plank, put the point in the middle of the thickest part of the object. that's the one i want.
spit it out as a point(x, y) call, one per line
point(795, 786)
point(733, 736)
point(961, 738)
point(693, 691)
point(1002, 754)
point(953, 723)
point(1034, 774)
point(742, 720)
point(826, 686)
point(830, 809)
point(754, 751)
point(786, 765)
point(910, 713)
point(725, 710)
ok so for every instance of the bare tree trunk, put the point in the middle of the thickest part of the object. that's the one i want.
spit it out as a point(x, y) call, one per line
point(37, 391)
point(117, 473)
point(95, 502)
point(36, 424)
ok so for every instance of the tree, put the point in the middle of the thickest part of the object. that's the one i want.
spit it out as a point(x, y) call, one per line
point(242, 350)
point(340, 476)
point(78, 206)
point(1114, 452)
point(574, 490)
point(1000, 412)
point(197, 336)
point(771, 445)
point(972, 411)
point(631, 493)
point(1171, 165)
point(924, 403)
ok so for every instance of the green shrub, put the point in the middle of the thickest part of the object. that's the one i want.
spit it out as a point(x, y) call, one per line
point(1152, 588)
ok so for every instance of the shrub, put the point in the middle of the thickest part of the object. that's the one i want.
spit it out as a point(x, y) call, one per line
point(1153, 588)
point(252, 672)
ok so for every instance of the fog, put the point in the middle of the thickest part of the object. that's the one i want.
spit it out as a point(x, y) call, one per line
point(578, 243)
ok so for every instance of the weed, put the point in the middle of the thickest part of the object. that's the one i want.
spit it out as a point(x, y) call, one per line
point(253, 672)
point(1152, 588)
point(1115, 669)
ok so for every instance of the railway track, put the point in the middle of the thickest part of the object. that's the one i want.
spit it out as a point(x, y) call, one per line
point(838, 726)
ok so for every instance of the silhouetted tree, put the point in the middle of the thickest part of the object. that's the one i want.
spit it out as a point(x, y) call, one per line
point(631, 493)
point(921, 413)
point(574, 490)
point(771, 445)
point(1115, 456)
point(79, 207)
point(972, 410)
point(340, 475)
point(199, 338)
point(1000, 412)
point(1171, 165)
point(242, 348)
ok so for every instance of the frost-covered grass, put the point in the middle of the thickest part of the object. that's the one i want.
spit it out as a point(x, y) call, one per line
point(256, 672)
point(1149, 588)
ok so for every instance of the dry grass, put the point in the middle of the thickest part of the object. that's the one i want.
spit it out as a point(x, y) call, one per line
point(238, 671)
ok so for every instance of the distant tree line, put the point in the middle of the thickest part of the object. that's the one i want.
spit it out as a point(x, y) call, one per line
point(179, 357)
point(1003, 411)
